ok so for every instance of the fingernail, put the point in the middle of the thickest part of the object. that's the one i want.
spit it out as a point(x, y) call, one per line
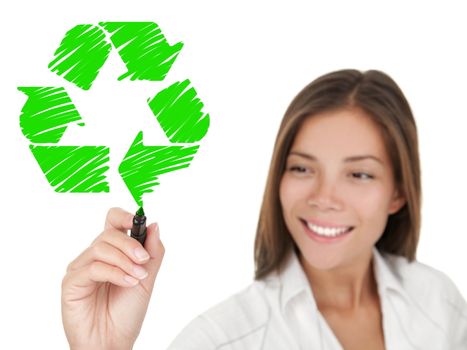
point(130, 280)
point(140, 272)
point(141, 254)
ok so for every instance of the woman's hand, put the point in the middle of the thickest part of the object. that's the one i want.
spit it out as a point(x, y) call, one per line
point(106, 289)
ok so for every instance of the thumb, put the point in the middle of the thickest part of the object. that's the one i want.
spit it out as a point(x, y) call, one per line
point(156, 250)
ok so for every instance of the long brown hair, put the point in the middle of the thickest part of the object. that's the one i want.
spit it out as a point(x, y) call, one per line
point(381, 98)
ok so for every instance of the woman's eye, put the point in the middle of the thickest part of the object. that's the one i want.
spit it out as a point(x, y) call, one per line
point(298, 169)
point(362, 176)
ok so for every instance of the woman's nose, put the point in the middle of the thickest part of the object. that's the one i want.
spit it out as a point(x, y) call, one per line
point(324, 196)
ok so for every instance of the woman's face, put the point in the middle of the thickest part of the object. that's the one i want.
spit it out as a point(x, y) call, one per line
point(338, 188)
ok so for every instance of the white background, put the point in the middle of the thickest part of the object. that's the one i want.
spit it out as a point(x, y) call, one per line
point(247, 60)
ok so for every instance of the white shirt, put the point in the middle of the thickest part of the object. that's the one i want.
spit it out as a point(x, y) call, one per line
point(421, 309)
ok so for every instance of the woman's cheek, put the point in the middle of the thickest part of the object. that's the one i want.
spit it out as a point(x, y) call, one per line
point(371, 206)
point(291, 193)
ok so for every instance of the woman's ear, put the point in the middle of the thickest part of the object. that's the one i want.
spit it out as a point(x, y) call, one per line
point(397, 202)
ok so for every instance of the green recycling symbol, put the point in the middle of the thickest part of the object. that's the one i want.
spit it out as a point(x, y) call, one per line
point(48, 111)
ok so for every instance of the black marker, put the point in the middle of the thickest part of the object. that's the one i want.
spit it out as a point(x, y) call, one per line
point(138, 231)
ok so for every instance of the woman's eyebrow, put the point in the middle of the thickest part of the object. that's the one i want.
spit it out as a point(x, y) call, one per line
point(346, 160)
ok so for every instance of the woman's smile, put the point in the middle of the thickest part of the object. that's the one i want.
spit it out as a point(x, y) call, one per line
point(324, 234)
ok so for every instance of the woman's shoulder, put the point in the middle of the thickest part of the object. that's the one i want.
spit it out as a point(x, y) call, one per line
point(434, 296)
point(425, 299)
point(420, 279)
point(243, 314)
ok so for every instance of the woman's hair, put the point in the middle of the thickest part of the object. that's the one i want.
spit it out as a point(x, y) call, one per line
point(380, 97)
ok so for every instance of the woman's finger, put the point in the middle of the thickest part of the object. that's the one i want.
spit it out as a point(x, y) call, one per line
point(104, 252)
point(118, 219)
point(97, 272)
point(129, 246)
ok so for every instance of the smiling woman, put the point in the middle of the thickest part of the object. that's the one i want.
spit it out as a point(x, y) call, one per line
point(335, 247)
point(382, 108)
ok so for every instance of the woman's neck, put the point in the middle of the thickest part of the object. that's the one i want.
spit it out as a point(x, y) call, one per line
point(346, 288)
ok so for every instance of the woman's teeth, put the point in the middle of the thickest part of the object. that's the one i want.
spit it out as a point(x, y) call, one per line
point(328, 231)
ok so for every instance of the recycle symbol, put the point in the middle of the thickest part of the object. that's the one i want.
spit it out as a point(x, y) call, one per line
point(48, 111)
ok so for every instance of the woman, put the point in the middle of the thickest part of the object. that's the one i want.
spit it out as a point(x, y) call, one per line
point(335, 246)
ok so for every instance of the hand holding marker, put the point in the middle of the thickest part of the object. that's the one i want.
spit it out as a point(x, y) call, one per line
point(112, 278)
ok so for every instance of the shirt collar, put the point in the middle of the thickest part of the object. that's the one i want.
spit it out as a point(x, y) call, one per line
point(386, 275)
point(293, 281)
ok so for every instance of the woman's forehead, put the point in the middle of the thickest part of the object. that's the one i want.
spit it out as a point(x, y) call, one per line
point(344, 133)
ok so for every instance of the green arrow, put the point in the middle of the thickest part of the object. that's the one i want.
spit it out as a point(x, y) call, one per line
point(143, 48)
point(46, 113)
point(81, 54)
point(142, 165)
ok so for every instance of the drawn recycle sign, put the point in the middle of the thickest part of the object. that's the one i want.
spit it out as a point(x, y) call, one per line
point(48, 110)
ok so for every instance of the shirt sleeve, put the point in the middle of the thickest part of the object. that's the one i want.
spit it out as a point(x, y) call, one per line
point(199, 334)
